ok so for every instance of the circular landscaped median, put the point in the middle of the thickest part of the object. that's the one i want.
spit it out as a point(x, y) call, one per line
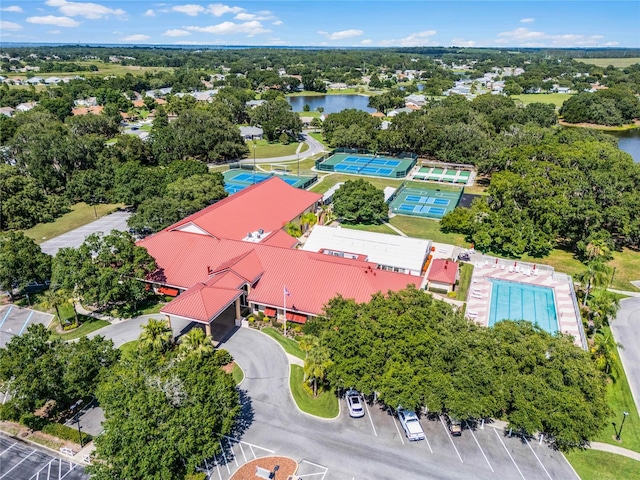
point(276, 468)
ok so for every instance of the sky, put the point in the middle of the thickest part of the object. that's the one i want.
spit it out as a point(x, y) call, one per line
point(353, 23)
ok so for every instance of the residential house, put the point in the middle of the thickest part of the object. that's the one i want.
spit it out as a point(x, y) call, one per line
point(251, 133)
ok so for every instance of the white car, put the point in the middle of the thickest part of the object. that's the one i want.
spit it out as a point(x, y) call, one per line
point(354, 402)
point(411, 424)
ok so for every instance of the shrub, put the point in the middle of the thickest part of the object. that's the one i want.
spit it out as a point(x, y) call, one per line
point(222, 357)
point(66, 433)
point(196, 476)
point(33, 421)
point(8, 411)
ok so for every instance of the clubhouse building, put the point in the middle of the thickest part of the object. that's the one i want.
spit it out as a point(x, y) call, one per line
point(234, 255)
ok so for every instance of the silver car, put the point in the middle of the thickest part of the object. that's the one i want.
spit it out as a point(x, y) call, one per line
point(410, 424)
point(354, 402)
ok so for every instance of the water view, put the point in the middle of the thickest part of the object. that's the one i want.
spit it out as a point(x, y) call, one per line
point(629, 141)
point(330, 103)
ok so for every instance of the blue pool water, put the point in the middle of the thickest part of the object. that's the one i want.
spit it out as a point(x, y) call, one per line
point(518, 301)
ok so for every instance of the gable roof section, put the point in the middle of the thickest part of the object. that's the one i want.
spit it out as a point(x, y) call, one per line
point(248, 210)
point(443, 271)
point(202, 302)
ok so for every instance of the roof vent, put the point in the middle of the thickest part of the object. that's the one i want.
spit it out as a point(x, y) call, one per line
point(261, 231)
point(249, 235)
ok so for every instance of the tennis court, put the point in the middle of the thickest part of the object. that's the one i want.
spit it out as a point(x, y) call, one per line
point(374, 165)
point(425, 202)
point(238, 179)
point(446, 175)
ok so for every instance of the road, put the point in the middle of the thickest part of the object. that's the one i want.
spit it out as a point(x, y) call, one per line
point(315, 147)
point(626, 331)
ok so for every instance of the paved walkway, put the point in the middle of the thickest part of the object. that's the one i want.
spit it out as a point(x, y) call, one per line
point(315, 147)
point(625, 452)
point(395, 229)
point(624, 292)
point(626, 330)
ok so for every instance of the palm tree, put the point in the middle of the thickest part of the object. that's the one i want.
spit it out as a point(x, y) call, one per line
point(596, 275)
point(195, 342)
point(53, 299)
point(604, 353)
point(308, 343)
point(602, 306)
point(316, 365)
point(308, 220)
point(156, 335)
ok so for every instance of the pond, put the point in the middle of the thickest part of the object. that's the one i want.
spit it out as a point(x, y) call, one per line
point(629, 141)
point(330, 103)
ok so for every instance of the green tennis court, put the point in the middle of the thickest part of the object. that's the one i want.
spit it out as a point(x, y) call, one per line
point(425, 201)
point(361, 164)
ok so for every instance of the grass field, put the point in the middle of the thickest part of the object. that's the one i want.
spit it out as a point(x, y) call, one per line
point(428, 229)
point(378, 228)
point(103, 69)
point(290, 346)
point(596, 465)
point(325, 405)
point(605, 62)
point(330, 180)
point(264, 149)
point(237, 373)
point(89, 324)
point(620, 400)
point(129, 349)
point(80, 214)
point(556, 99)
point(466, 271)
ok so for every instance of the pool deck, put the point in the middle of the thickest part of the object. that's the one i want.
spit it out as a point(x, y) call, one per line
point(479, 299)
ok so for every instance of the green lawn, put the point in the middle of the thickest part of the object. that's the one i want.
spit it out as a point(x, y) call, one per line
point(378, 228)
point(605, 62)
point(325, 405)
point(104, 69)
point(264, 149)
point(129, 349)
point(319, 137)
point(290, 346)
point(596, 465)
point(80, 214)
point(426, 228)
point(88, 325)
point(330, 180)
point(151, 306)
point(620, 400)
point(466, 271)
point(237, 374)
point(556, 99)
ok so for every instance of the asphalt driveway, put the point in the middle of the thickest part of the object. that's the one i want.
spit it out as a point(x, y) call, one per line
point(626, 331)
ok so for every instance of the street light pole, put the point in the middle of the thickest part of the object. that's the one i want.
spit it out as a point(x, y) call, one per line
point(254, 161)
point(624, 417)
point(298, 164)
point(76, 419)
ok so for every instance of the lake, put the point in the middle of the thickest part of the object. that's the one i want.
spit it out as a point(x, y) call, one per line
point(629, 141)
point(330, 103)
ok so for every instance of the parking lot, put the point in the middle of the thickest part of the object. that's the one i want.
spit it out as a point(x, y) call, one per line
point(15, 320)
point(19, 461)
point(481, 451)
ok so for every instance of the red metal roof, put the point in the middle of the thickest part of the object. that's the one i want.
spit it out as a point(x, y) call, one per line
point(268, 205)
point(443, 271)
point(280, 238)
point(201, 302)
point(186, 259)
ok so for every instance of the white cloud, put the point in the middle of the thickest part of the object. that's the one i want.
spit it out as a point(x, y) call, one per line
point(231, 28)
point(53, 20)
point(366, 41)
point(92, 11)
point(4, 25)
point(342, 34)
point(277, 22)
point(150, 13)
point(528, 20)
point(523, 37)
point(135, 38)
point(12, 8)
point(417, 39)
point(189, 9)
point(459, 42)
point(219, 9)
point(54, 32)
point(176, 33)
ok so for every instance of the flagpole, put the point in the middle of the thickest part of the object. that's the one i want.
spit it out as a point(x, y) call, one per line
point(284, 297)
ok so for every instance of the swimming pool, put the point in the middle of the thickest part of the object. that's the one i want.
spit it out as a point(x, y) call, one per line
point(520, 301)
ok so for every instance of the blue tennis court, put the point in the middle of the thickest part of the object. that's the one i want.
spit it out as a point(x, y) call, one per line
point(236, 179)
point(408, 208)
point(425, 201)
point(366, 165)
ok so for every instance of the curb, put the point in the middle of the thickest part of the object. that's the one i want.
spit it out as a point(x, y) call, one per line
point(57, 453)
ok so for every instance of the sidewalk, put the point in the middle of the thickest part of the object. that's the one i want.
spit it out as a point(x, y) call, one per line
point(625, 452)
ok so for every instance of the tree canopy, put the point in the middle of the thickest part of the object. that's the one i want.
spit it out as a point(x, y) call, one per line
point(614, 106)
point(21, 262)
point(358, 201)
point(418, 352)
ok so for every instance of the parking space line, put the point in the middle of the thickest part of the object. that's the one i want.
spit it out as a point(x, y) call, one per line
point(70, 470)
point(324, 474)
point(478, 443)
point(399, 434)
point(9, 448)
point(37, 474)
point(243, 454)
point(537, 458)
point(446, 431)
point(509, 453)
point(252, 452)
point(370, 419)
point(226, 462)
point(235, 457)
point(6, 315)
point(16, 465)
point(26, 323)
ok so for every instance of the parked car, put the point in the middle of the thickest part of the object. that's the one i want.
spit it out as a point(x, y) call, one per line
point(411, 424)
point(453, 424)
point(464, 257)
point(354, 402)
